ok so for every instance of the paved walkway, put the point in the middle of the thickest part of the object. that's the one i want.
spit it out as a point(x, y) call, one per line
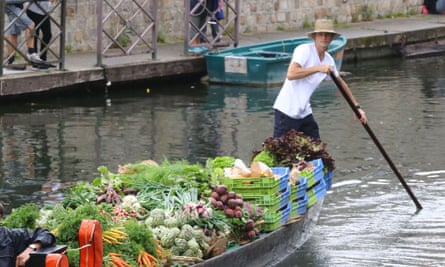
point(171, 61)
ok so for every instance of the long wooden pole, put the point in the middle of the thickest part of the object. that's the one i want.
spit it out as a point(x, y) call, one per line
point(376, 141)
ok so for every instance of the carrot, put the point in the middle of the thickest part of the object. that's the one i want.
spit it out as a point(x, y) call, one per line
point(139, 259)
point(151, 257)
point(117, 261)
point(145, 260)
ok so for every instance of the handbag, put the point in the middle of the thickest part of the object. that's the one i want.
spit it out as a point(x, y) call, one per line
point(56, 260)
point(219, 14)
point(90, 242)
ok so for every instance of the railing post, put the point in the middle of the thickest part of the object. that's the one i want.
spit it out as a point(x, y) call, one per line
point(63, 35)
point(154, 32)
point(186, 26)
point(2, 26)
point(99, 7)
point(238, 9)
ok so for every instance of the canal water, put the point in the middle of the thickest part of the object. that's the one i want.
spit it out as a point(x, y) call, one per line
point(368, 219)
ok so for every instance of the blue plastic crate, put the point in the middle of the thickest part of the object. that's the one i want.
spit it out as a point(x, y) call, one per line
point(283, 173)
point(315, 175)
point(316, 193)
point(286, 213)
point(328, 179)
point(299, 206)
point(285, 196)
point(275, 219)
point(299, 190)
point(273, 215)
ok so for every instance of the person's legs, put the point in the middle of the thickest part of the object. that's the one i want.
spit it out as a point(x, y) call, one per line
point(310, 127)
point(440, 6)
point(46, 37)
point(21, 22)
point(215, 30)
point(11, 51)
point(284, 123)
point(43, 25)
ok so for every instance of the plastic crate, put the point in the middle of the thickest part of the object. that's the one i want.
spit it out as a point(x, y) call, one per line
point(285, 196)
point(283, 173)
point(299, 207)
point(316, 193)
point(273, 215)
point(260, 186)
point(299, 190)
point(275, 219)
point(328, 179)
point(316, 174)
point(271, 201)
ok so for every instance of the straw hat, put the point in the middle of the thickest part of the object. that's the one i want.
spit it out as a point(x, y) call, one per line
point(323, 25)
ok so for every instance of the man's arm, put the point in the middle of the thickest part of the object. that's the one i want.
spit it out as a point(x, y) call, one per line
point(363, 117)
point(33, 241)
point(295, 71)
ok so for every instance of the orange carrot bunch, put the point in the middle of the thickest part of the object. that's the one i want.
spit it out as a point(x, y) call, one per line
point(145, 259)
point(162, 254)
point(117, 261)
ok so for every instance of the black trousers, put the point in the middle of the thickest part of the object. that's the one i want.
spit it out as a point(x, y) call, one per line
point(284, 123)
point(43, 24)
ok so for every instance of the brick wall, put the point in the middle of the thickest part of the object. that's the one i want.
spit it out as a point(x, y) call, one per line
point(256, 16)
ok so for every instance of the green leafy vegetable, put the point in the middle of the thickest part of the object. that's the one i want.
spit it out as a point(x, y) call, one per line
point(24, 216)
point(294, 147)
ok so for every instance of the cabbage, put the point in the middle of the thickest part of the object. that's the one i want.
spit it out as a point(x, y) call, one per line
point(186, 232)
point(181, 244)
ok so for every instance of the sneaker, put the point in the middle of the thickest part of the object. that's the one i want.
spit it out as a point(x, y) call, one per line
point(34, 58)
point(11, 59)
point(40, 66)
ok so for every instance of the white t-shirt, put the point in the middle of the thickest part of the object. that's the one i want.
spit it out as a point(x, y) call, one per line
point(295, 95)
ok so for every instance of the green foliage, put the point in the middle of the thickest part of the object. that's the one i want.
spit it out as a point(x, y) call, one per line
point(24, 216)
point(265, 157)
point(79, 194)
point(65, 224)
point(216, 167)
point(220, 162)
point(124, 38)
point(180, 173)
point(140, 235)
point(306, 23)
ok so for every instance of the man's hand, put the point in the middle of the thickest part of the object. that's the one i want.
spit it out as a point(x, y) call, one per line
point(325, 68)
point(363, 117)
point(23, 257)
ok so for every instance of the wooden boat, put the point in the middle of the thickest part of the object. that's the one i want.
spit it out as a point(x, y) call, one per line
point(270, 249)
point(263, 64)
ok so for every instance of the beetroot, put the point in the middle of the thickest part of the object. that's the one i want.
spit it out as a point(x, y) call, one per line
point(229, 212)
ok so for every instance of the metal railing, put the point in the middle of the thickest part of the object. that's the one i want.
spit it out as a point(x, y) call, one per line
point(19, 48)
point(126, 27)
point(203, 13)
point(129, 27)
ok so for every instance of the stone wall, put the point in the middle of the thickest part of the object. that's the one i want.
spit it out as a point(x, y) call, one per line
point(256, 16)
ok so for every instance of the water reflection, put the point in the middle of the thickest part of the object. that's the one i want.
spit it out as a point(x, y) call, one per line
point(368, 218)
